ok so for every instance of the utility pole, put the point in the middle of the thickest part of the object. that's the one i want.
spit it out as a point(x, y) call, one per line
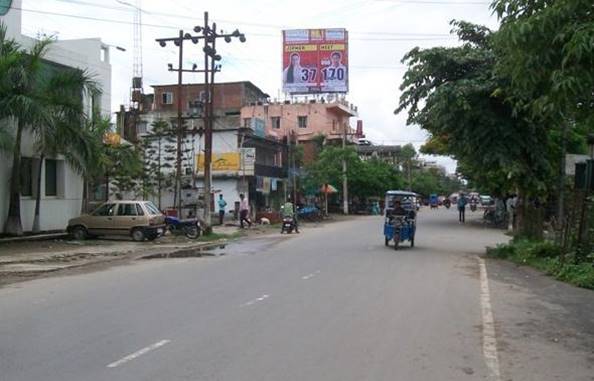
point(209, 35)
point(179, 130)
point(345, 187)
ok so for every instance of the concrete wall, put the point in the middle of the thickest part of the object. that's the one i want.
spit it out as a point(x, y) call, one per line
point(12, 19)
point(329, 119)
point(227, 96)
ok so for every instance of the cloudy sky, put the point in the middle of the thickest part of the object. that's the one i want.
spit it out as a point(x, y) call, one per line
point(380, 31)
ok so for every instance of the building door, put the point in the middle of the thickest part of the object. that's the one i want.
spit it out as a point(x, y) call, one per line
point(127, 218)
point(101, 221)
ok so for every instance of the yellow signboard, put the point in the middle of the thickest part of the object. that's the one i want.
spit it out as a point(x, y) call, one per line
point(111, 138)
point(301, 48)
point(221, 162)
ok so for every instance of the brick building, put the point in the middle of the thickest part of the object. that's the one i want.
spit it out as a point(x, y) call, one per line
point(305, 119)
point(263, 178)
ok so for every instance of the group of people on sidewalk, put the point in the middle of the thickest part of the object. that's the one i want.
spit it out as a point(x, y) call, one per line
point(244, 210)
point(287, 210)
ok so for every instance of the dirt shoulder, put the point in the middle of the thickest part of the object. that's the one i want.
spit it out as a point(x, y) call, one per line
point(26, 260)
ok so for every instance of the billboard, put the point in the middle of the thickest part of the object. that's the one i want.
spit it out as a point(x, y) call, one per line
point(315, 61)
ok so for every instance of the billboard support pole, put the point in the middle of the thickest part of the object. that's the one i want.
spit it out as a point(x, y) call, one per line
point(345, 188)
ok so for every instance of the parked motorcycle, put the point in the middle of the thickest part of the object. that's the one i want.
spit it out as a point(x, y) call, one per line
point(190, 228)
point(447, 203)
point(288, 225)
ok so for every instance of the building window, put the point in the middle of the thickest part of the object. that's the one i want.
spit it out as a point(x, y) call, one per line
point(276, 122)
point(167, 98)
point(51, 177)
point(141, 128)
point(302, 121)
point(247, 122)
point(26, 176)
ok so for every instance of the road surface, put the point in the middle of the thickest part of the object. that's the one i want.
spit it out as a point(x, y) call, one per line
point(330, 304)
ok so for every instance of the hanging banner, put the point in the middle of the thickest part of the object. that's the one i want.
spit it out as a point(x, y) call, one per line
point(266, 185)
point(315, 61)
point(248, 161)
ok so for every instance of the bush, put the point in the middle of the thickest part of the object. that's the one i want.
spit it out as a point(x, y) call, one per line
point(546, 256)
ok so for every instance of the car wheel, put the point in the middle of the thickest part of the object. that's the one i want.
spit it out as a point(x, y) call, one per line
point(79, 233)
point(138, 235)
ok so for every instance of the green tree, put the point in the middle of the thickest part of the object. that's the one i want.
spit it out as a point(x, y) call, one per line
point(60, 91)
point(158, 155)
point(545, 47)
point(457, 95)
point(21, 103)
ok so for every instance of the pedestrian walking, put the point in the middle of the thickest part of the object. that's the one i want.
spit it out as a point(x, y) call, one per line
point(222, 204)
point(244, 211)
point(462, 208)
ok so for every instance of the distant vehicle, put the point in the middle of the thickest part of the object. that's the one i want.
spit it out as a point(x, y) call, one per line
point(486, 200)
point(363, 142)
point(433, 201)
point(138, 219)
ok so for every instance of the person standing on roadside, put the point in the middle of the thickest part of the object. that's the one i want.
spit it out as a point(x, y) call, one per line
point(222, 204)
point(244, 211)
point(462, 208)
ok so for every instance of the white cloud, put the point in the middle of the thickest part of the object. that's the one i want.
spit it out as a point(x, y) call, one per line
point(381, 32)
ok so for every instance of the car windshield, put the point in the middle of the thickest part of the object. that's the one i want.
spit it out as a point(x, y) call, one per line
point(153, 210)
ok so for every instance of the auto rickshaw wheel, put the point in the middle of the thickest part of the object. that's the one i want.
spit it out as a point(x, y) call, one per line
point(412, 241)
point(386, 241)
point(396, 241)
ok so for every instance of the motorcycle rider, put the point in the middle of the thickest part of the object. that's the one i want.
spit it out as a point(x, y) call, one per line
point(288, 211)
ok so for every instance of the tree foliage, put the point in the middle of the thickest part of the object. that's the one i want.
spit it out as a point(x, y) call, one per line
point(457, 95)
point(546, 48)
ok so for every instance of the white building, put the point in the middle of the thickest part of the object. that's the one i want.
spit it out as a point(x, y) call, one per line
point(61, 186)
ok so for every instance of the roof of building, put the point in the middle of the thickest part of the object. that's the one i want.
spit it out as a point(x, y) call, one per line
point(378, 149)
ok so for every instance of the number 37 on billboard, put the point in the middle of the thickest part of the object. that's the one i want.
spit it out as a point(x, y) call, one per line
point(315, 61)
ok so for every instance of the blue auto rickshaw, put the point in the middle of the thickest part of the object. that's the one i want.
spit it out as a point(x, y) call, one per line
point(400, 224)
point(433, 201)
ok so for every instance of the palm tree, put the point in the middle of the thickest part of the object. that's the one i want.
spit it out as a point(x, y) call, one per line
point(61, 95)
point(18, 103)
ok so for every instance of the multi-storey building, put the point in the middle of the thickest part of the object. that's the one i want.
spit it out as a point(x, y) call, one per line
point(246, 159)
point(61, 186)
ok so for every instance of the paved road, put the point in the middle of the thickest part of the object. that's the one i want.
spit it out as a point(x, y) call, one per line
point(330, 304)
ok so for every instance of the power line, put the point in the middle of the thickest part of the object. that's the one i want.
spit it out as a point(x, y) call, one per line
point(436, 2)
point(262, 25)
point(250, 34)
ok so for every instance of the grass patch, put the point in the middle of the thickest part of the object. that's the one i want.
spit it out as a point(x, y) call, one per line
point(218, 236)
point(546, 257)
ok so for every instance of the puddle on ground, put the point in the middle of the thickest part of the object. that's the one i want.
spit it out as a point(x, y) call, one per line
point(246, 247)
point(210, 251)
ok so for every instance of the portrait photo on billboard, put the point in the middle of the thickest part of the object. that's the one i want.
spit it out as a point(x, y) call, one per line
point(334, 72)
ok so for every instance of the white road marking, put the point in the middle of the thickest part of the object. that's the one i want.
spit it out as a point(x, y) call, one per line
point(489, 338)
point(254, 301)
point(138, 353)
point(309, 276)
